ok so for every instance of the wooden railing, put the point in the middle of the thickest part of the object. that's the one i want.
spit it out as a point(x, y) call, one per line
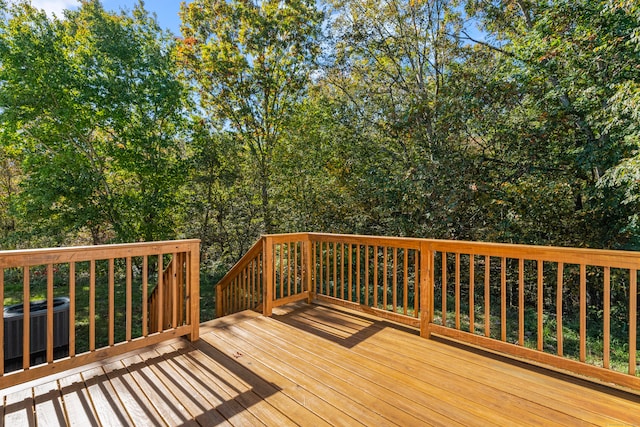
point(378, 275)
point(283, 258)
point(572, 309)
point(549, 305)
point(241, 287)
point(166, 302)
point(108, 312)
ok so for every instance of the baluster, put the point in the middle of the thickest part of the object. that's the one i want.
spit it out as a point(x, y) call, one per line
point(540, 304)
point(111, 322)
point(633, 320)
point(26, 320)
point(503, 299)
point(472, 285)
point(49, 354)
point(145, 286)
point(385, 278)
point(560, 284)
point(444, 289)
point(583, 312)
point(521, 301)
point(487, 296)
point(607, 318)
point(92, 305)
point(72, 309)
point(129, 291)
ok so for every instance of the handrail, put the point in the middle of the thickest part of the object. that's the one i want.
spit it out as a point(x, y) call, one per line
point(254, 251)
point(525, 301)
point(261, 280)
point(595, 257)
point(241, 288)
point(105, 272)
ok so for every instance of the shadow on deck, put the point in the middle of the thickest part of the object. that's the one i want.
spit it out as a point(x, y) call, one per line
point(314, 365)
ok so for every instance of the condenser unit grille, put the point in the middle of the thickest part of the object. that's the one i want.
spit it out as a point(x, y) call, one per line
point(14, 324)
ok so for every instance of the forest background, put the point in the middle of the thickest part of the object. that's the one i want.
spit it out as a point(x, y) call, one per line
point(348, 116)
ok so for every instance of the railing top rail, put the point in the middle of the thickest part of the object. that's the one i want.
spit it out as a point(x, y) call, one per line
point(27, 257)
point(594, 257)
point(404, 242)
point(287, 237)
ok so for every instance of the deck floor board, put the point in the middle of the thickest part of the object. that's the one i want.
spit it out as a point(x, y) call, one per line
point(134, 401)
point(541, 391)
point(560, 393)
point(389, 368)
point(49, 409)
point(315, 365)
point(379, 394)
point(305, 385)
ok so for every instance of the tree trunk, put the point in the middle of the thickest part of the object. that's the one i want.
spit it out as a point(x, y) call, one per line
point(266, 208)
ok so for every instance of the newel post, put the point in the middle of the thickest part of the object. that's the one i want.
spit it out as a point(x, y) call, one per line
point(219, 307)
point(308, 257)
point(267, 275)
point(426, 288)
point(193, 272)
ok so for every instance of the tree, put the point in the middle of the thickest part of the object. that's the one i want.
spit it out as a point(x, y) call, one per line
point(221, 209)
point(94, 105)
point(251, 63)
point(314, 170)
point(624, 113)
point(570, 60)
point(392, 62)
point(9, 179)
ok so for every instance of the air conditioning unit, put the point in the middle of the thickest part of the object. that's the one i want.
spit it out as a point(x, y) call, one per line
point(13, 332)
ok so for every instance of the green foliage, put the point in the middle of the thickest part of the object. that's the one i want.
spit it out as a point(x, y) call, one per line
point(391, 122)
point(373, 118)
point(564, 64)
point(96, 121)
point(251, 63)
point(222, 209)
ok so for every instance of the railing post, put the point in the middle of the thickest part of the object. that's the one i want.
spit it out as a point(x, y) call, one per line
point(307, 268)
point(267, 285)
point(426, 288)
point(194, 290)
point(219, 307)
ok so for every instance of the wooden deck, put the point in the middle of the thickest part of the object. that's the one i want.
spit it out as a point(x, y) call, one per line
point(315, 366)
